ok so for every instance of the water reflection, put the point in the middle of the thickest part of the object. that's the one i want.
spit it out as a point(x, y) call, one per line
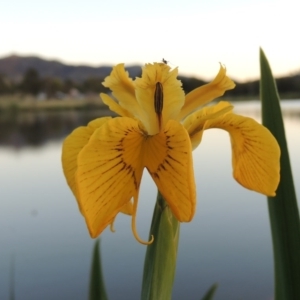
point(37, 128)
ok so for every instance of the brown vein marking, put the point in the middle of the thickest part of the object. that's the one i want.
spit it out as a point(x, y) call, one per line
point(110, 189)
point(175, 182)
point(168, 155)
point(114, 166)
point(125, 167)
point(135, 181)
point(161, 166)
point(175, 170)
point(155, 175)
point(96, 178)
point(113, 180)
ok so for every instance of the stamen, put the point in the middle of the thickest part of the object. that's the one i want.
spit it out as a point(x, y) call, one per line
point(159, 102)
point(133, 226)
point(111, 227)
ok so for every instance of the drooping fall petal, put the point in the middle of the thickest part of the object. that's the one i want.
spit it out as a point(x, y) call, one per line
point(255, 152)
point(109, 172)
point(206, 93)
point(255, 157)
point(73, 144)
point(168, 159)
point(194, 123)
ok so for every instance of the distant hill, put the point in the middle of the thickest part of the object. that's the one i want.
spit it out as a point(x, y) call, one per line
point(87, 78)
point(14, 67)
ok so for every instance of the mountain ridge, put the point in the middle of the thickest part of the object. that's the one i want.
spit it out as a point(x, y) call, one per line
point(15, 66)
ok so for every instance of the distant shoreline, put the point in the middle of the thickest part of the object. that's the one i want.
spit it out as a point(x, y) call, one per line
point(28, 103)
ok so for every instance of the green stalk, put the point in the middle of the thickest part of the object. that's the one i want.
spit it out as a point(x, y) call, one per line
point(160, 260)
point(283, 209)
point(210, 293)
point(97, 287)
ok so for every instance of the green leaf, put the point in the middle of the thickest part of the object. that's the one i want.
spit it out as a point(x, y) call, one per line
point(283, 209)
point(210, 293)
point(12, 278)
point(160, 260)
point(97, 287)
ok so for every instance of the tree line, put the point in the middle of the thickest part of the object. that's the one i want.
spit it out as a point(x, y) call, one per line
point(33, 84)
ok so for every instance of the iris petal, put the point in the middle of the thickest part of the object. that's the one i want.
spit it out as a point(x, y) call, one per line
point(194, 123)
point(255, 156)
point(109, 172)
point(206, 93)
point(73, 144)
point(173, 95)
point(123, 90)
point(114, 106)
point(168, 159)
point(255, 152)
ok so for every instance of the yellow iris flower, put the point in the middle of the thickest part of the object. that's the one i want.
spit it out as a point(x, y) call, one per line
point(157, 129)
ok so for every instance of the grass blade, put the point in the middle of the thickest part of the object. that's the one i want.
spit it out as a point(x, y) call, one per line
point(210, 293)
point(97, 287)
point(283, 208)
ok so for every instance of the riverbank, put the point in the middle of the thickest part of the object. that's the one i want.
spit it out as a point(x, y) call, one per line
point(31, 103)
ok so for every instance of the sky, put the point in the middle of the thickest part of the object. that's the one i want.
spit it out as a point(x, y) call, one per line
point(193, 35)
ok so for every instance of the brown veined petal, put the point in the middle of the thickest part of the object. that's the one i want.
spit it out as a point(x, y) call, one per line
point(123, 90)
point(255, 152)
point(115, 107)
point(172, 95)
point(109, 172)
point(206, 93)
point(72, 145)
point(194, 123)
point(168, 159)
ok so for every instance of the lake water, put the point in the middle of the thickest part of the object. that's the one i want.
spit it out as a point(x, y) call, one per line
point(44, 240)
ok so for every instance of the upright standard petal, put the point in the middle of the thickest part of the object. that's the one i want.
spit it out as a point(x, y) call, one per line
point(115, 107)
point(206, 93)
point(109, 172)
point(123, 90)
point(168, 158)
point(171, 92)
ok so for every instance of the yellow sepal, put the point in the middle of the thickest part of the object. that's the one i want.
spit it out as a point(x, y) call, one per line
point(194, 123)
point(255, 152)
point(109, 172)
point(168, 159)
point(72, 145)
point(206, 93)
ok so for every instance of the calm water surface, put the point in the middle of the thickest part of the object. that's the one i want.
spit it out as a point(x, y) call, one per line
point(44, 239)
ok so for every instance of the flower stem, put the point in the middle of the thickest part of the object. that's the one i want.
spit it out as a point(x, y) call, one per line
point(160, 260)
